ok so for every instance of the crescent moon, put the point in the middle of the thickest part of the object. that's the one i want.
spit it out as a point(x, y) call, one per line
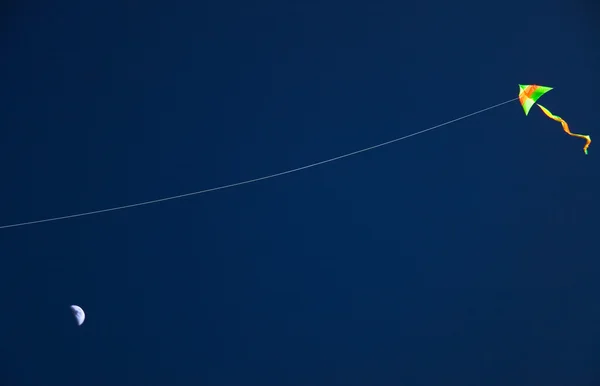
point(78, 314)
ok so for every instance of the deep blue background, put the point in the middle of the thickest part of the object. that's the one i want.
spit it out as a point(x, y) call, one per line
point(464, 256)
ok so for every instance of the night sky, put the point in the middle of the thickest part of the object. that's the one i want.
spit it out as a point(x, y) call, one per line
point(465, 256)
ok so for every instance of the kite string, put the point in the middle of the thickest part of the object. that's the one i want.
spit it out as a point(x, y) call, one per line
point(246, 182)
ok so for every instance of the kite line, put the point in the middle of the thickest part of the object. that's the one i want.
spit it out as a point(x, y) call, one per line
point(246, 182)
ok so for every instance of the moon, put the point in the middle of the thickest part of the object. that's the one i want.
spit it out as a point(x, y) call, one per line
point(78, 314)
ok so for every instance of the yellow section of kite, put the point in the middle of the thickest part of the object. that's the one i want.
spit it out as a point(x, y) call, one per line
point(565, 127)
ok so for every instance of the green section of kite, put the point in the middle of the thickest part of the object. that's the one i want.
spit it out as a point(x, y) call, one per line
point(529, 94)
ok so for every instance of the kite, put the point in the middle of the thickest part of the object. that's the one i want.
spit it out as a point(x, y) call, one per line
point(529, 95)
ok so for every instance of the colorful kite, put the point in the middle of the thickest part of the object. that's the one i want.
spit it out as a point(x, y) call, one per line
point(529, 95)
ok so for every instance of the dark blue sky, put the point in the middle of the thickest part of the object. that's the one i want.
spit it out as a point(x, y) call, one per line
point(464, 256)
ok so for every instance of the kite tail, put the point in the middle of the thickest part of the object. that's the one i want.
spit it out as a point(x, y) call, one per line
point(566, 128)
